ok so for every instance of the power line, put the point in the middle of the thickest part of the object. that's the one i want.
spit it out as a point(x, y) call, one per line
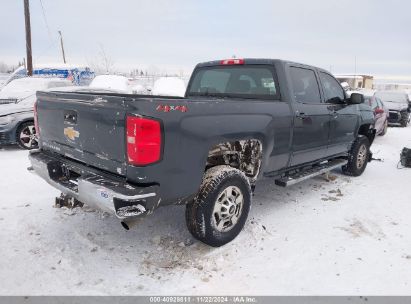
point(45, 19)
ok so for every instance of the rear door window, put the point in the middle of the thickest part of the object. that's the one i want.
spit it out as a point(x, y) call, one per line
point(305, 85)
point(245, 81)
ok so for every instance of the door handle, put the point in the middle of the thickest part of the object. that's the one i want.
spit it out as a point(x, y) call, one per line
point(300, 115)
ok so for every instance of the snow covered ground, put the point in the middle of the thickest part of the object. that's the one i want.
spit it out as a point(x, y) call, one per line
point(346, 236)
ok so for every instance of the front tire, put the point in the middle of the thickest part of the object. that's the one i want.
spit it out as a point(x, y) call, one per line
point(26, 136)
point(358, 157)
point(404, 122)
point(219, 211)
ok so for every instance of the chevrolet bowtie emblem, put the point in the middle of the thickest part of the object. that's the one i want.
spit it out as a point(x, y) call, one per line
point(71, 133)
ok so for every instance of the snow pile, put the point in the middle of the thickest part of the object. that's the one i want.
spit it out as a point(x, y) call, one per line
point(169, 86)
point(138, 89)
point(111, 82)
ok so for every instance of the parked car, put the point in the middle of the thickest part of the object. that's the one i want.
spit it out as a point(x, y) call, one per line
point(399, 106)
point(380, 111)
point(21, 88)
point(240, 120)
point(381, 114)
point(17, 122)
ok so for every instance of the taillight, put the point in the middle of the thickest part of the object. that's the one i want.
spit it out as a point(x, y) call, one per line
point(143, 140)
point(232, 61)
point(36, 120)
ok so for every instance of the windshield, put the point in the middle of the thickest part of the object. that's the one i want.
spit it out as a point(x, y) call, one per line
point(250, 81)
point(23, 87)
point(28, 101)
point(371, 101)
point(392, 97)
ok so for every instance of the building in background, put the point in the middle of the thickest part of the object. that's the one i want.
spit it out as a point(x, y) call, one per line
point(78, 74)
point(379, 83)
point(357, 81)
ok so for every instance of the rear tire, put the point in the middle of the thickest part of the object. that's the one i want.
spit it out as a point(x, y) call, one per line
point(358, 157)
point(219, 211)
point(26, 136)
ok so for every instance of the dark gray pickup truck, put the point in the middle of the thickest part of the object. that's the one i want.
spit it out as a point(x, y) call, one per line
point(241, 119)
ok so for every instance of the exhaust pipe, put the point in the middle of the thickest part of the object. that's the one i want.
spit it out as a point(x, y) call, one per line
point(129, 223)
point(125, 226)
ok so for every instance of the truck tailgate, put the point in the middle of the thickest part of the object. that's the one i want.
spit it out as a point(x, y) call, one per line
point(85, 127)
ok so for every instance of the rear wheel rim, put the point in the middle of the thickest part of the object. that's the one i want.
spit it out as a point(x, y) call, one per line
point(28, 137)
point(362, 156)
point(228, 208)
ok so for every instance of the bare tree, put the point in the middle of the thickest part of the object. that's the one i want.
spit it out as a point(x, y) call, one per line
point(107, 62)
point(103, 63)
point(4, 68)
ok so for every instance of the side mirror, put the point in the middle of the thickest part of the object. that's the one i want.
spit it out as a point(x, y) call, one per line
point(355, 98)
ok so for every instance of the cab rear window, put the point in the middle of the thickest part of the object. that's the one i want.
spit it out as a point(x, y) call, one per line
point(257, 82)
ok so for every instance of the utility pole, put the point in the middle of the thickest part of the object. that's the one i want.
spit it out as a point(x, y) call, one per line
point(62, 47)
point(28, 38)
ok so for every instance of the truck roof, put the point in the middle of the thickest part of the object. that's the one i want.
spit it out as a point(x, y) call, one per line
point(254, 61)
point(257, 61)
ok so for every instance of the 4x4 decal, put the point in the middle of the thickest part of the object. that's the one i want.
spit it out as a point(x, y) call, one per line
point(168, 108)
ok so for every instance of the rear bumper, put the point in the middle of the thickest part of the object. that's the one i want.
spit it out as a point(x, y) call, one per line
point(7, 136)
point(94, 187)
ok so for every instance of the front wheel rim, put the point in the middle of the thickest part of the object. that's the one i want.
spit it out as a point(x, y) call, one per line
point(362, 156)
point(28, 137)
point(228, 208)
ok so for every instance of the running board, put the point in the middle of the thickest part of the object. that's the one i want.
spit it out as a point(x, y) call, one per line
point(308, 173)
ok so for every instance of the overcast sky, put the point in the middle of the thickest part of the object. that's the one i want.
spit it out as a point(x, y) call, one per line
point(176, 34)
